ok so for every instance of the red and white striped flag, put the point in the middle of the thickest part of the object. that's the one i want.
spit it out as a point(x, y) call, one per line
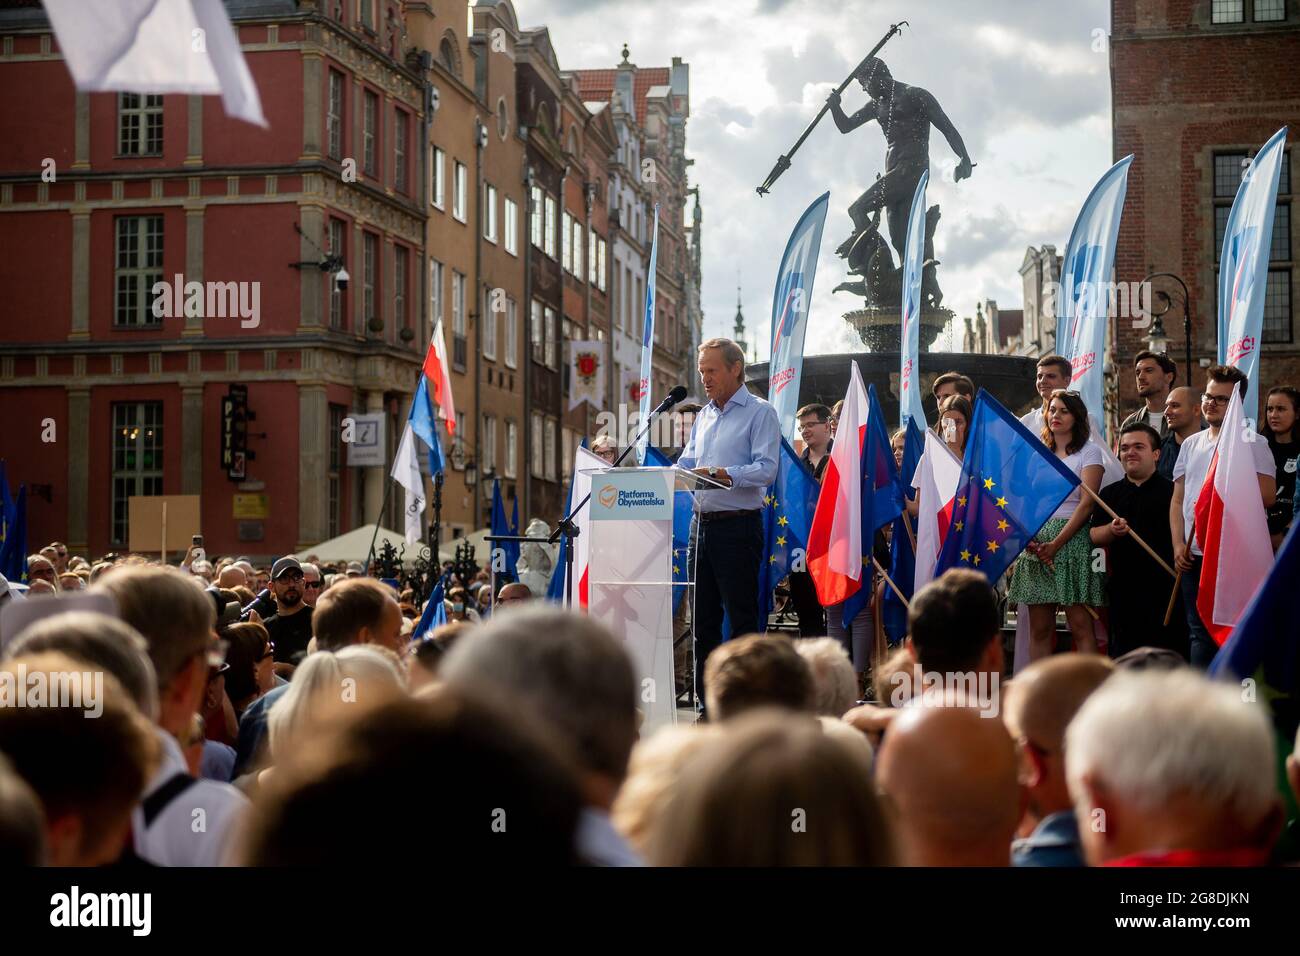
point(835, 538)
point(438, 370)
point(1231, 527)
point(938, 474)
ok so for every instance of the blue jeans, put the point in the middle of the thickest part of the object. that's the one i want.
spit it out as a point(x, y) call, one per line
point(1203, 647)
point(729, 552)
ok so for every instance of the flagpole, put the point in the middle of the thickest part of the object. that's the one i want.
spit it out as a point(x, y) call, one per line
point(911, 535)
point(1131, 533)
point(388, 490)
point(1178, 579)
point(890, 581)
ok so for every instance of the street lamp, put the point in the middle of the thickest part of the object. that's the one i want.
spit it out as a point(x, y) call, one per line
point(1158, 333)
point(1158, 338)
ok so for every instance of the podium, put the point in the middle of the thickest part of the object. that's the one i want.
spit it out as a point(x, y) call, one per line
point(633, 573)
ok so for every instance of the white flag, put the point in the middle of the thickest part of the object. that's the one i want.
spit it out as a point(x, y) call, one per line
point(156, 46)
point(938, 474)
point(406, 472)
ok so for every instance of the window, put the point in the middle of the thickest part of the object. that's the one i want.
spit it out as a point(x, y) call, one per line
point(512, 334)
point(367, 13)
point(1277, 306)
point(551, 332)
point(575, 230)
point(1267, 11)
point(458, 196)
point(139, 124)
point(488, 445)
point(338, 234)
point(490, 213)
point(334, 475)
point(369, 117)
point(400, 318)
point(538, 330)
point(600, 267)
point(137, 458)
point(566, 243)
point(536, 461)
point(1227, 11)
point(459, 348)
point(535, 216)
point(369, 255)
point(138, 266)
point(592, 278)
point(488, 327)
point(461, 440)
point(1228, 169)
point(510, 465)
point(437, 276)
point(510, 227)
point(438, 176)
point(334, 117)
point(571, 440)
point(552, 472)
point(399, 150)
point(549, 238)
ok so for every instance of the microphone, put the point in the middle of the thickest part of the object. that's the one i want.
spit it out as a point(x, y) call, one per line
point(675, 396)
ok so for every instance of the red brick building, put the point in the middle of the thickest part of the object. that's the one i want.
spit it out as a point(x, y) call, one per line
point(1197, 87)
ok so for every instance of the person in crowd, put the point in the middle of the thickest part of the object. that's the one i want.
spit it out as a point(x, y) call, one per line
point(605, 448)
point(576, 679)
point(653, 772)
point(290, 625)
point(458, 606)
point(896, 679)
point(513, 595)
point(1180, 769)
point(232, 576)
point(1183, 417)
point(503, 774)
point(1281, 407)
point(834, 681)
point(354, 611)
point(948, 775)
point(177, 622)
point(815, 431)
point(42, 569)
point(203, 570)
point(1038, 705)
point(1052, 374)
point(423, 658)
point(757, 670)
point(1135, 581)
point(955, 413)
point(1189, 475)
point(1155, 374)
point(1056, 569)
point(251, 657)
point(898, 445)
point(949, 384)
point(772, 790)
point(312, 584)
point(87, 769)
point(735, 441)
point(836, 409)
point(22, 823)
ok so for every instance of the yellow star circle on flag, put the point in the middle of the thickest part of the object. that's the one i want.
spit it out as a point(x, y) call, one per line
point(781, 541)
point(965, 555)
point(767, 499)
point(782, 521)
point(960, 525)
point(771, 559)
point(993, 546)
point(1002, 525)
point(1001, 502)
point(977, 560)
point(962, 501)
point(989, 483)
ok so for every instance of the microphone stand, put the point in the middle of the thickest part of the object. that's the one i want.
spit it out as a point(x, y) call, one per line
point(569, 530)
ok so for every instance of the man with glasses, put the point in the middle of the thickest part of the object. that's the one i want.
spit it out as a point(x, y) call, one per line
point(815, 432)
point(513, 595)
point(290, 626)
point(1189, 475)
point(40, 568)
point(312, 581)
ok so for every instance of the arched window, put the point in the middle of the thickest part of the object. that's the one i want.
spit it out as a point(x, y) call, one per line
point(447, 53)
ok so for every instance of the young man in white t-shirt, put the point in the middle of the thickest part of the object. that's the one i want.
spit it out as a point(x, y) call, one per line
point(1193, 464)
point(1155, 376)
point(1053, 373)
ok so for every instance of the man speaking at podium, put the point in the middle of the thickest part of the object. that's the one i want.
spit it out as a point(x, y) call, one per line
point(735, 440)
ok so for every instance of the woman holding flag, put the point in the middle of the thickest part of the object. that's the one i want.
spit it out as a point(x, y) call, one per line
point(1056, 568)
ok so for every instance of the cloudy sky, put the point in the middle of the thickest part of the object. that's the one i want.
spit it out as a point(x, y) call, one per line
point(1025, 82)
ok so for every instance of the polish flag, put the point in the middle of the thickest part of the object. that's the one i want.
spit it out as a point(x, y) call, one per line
point(583, 460)
point(835, 538)
point(938, 475)
point(1231, 527)
point(438, 370)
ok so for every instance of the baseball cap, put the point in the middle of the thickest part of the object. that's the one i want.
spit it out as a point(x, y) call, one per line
point(287, 563)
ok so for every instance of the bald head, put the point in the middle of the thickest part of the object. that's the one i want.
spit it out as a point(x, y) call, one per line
point(1044, 697)
point(1182, 408)
point(950, 776)
point(232, 577)
point(514, 593)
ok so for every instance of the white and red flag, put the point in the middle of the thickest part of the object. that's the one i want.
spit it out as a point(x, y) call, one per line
point(1231, 527)
point(438, 370)
point(835, 538)
point(938, 474)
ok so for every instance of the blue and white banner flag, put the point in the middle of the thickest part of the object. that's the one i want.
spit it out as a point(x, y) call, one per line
point(790, 306)
point(1083, 302)
point(1243, 268)
point(909, 392)
point(648, 340)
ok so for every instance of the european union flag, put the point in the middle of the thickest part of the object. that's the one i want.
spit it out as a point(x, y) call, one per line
point(8, 511)
point(13, 554)
point(435, 612)
point(1265, 646)
point(424, 426)
point(1010, 485)
point(683, 510)
point(502, 527)
point(787, 516)
point(902, 552)
point(882, 498)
